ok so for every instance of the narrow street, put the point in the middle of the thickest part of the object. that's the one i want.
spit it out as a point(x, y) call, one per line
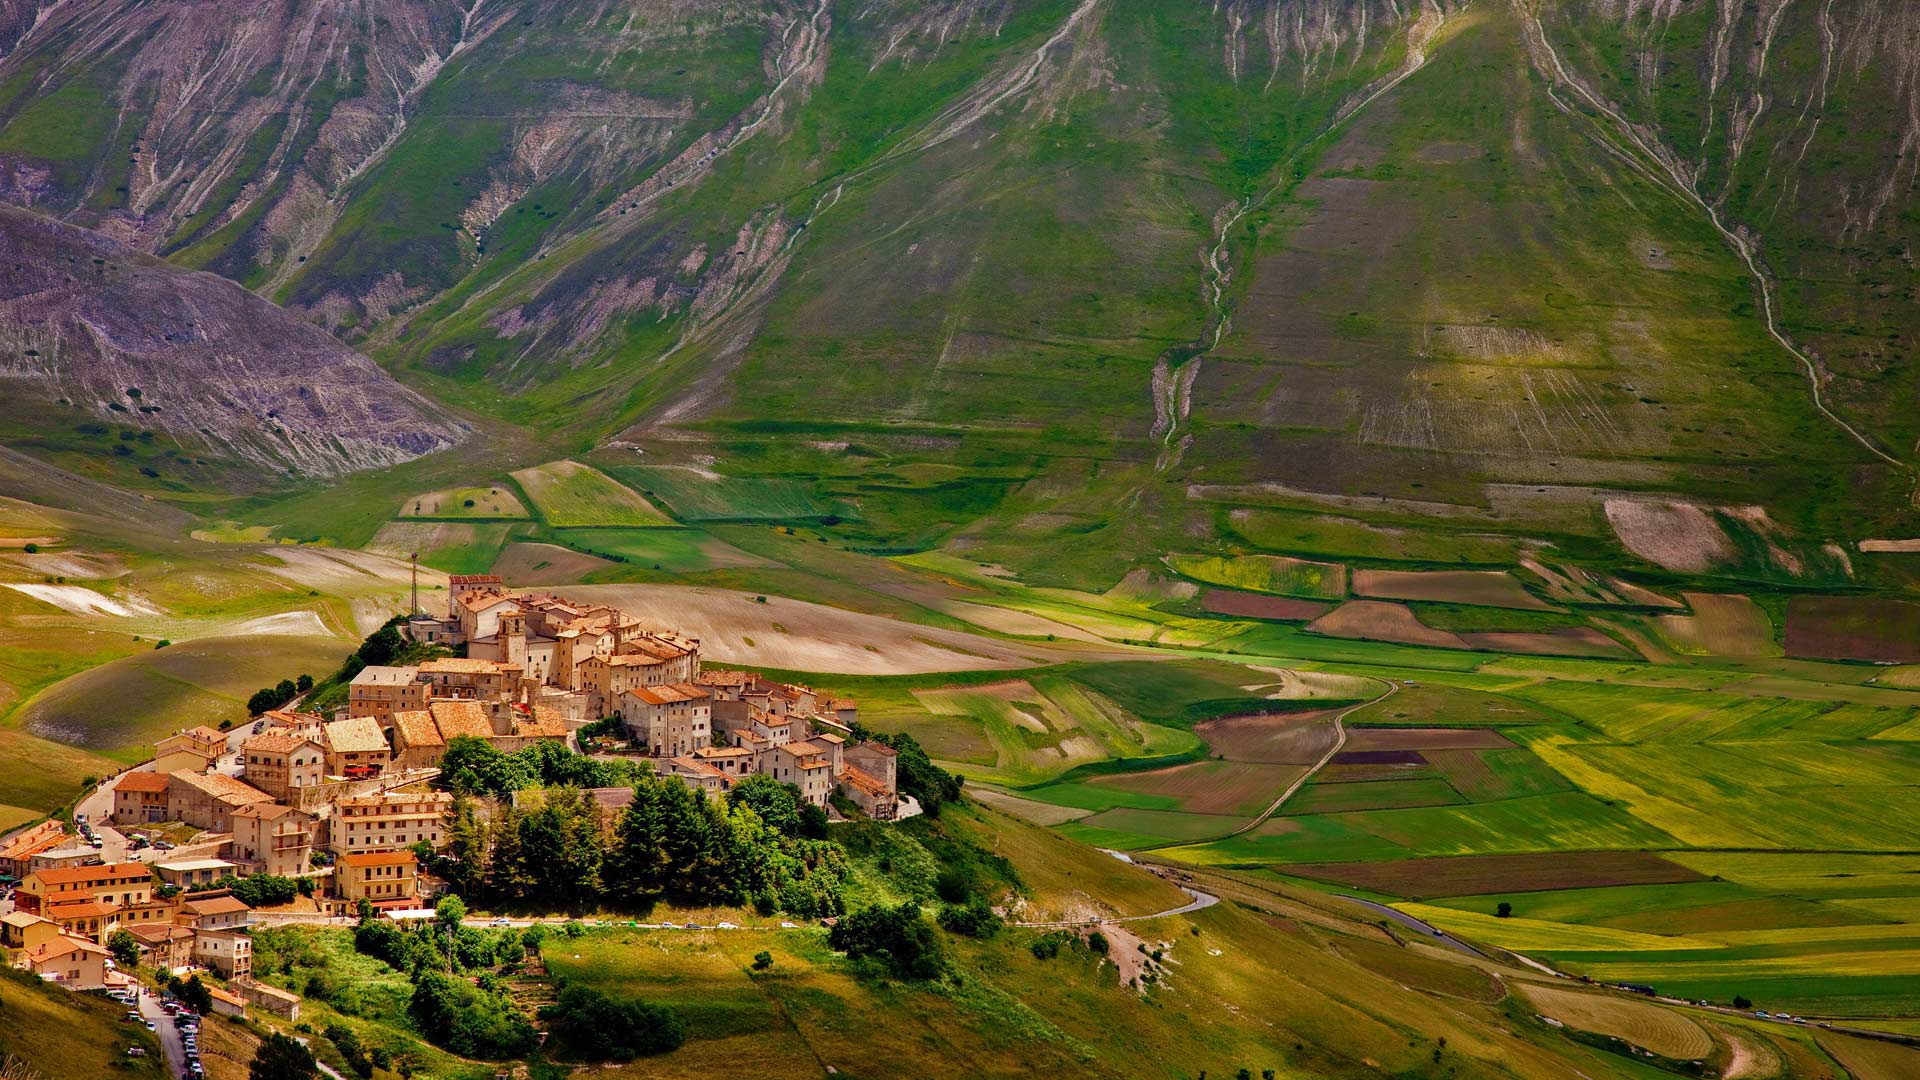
point(169, 1035)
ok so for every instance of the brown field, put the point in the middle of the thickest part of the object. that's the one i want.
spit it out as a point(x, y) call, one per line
point(798, 635)
point(1487, 588)
point(1664, 1031)
point(1378, 620)
point(1260, 606)
point(1362, 774)
point(1853, 628)
point(1378, 757)
point(1471, 875)
point(1675, 535)
point(1871, 1059)
point(1576, 585)
point(1891, 547)
point(1724, 625)
point(1565, 641)
point(1388, 738)
point(1286, 739)
point(1211, 787)
point(526, 563)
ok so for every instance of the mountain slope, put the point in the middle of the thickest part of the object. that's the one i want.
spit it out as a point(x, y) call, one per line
point(97, 337)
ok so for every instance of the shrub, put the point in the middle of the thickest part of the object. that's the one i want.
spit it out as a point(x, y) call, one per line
point(900, 937)
point(280, 1057)
point(1504, 911)
point(762, 960)
point(595, 1026)
point(1097, 941)
point(975, 920)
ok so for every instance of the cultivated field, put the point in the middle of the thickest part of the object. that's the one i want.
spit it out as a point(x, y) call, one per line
point(697, 495)
point(525, 563)
point(1265, 574)
point(495, 501)
point(1298, 738)
point(1853, 628)
point(1663, 1031)
point(568, 494)
point(1487, 588)
point(1723, 625)
point(1378, 620)
point(1260, 606)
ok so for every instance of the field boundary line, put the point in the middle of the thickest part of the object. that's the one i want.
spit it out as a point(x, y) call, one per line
point(1339, 743)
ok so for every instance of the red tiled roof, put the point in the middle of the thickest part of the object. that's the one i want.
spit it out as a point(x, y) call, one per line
point(81, 875)
point(151, 783)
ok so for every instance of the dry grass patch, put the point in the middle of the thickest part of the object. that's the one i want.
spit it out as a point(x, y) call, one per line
point(1721, 625)
point(1650, 1027)
point(526, 563)
point(1674, 535)
point(1283, 739)
point(1486, 588)
point(1871, 1059)
point(1378, 620)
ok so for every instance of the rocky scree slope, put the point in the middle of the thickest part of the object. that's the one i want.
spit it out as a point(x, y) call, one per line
point(103, 333)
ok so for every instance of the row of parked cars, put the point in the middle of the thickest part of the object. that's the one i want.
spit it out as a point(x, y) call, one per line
point(184, 1020)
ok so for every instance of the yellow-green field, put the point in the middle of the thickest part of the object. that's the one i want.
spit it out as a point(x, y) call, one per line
point(568, 494)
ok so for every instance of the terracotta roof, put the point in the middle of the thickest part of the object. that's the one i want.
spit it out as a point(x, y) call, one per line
point(379, 858)
point(203, 733)
point(878, 748)
point(416, 728)
point(654, 647)
point(855, 777)
point(21, 918)
point(275, 742)
point(459, 665)
point(223, 787)
point(84, 875)
point(460, 717)
point(359, 735)
point(152, 783)
point(723, 678)
point(481, 599)
point(221, 995)
point(64, 945)
point(214, 905)
point(290, 718)
point(828, 737)
point(545, 724)
point(694, 766)
point(723, 751)
point(154, 933)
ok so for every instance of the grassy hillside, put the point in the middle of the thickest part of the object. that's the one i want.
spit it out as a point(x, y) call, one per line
point(49, 1033)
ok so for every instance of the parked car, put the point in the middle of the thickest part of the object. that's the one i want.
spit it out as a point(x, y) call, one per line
point(163, 845)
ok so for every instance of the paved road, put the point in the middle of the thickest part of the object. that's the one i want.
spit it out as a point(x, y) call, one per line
point(170, 1043)
point(1427, 930)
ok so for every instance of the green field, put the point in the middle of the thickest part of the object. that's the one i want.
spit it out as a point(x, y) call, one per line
point(694, 496)
point(479, 502)
point(568, 494)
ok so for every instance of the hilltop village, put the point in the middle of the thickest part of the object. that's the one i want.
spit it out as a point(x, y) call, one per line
point(341, 805)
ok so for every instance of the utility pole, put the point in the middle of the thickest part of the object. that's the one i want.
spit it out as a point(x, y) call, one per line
point(414, 561)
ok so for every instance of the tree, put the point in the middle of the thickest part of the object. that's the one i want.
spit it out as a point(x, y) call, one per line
point(381, 647)
point(1740, 1002)
point(303, 684)
point(901, 937)
point(350, 1049)
point(196, 995)
point(281, 1058)
point(599, 1027)
point(762, 960)
point(125, 948)
point(777, 804)
point(1504, 911)
point(448, 915)
point(919, 776)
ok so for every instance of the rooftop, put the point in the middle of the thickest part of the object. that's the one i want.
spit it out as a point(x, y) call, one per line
point(379, 675)
point(853, 776)
point(150, 783)
point(215, 905)
point(361, 734)
point(460, 717)
point(187, 866)
point(276, 741)
point(223, 787)
point(87, 875)
point(416, 728)
point(460, 665)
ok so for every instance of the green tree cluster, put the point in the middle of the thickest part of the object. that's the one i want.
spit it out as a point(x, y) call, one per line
point(672, 842)
point(281, 1057)
point(899, 937)
point(593, 1026)
point(474, 766)
point(261, 890)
